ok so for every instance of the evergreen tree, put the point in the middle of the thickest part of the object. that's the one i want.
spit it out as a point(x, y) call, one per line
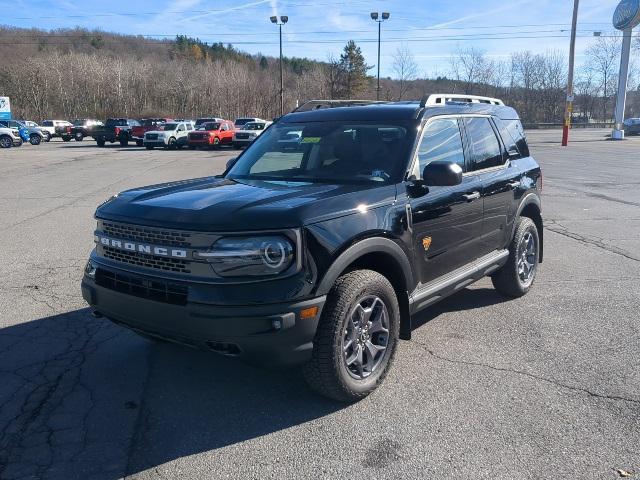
point(353, 71)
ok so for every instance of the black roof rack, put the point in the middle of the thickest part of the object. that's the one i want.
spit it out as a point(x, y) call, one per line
point(320, 104)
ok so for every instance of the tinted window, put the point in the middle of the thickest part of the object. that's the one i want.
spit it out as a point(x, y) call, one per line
point(47, 123)
point(513, 136)
point(441, 142)
point(485, 148)
point(116, 122)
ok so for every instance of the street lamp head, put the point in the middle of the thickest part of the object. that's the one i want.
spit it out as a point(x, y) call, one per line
point(374, 15)
point(273, 19)
point(385, 15)
point(284, 19)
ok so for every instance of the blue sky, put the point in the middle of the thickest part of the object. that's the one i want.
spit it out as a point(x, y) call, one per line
point(431, 29)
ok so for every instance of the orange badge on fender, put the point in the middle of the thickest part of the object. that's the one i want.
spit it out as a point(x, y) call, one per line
point(426, 243)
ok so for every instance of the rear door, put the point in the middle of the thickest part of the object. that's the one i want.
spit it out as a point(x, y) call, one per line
point(489, 164)
point(446, 221)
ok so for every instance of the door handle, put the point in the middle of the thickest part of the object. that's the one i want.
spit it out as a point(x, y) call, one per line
point(513, 185)
point(470, 197)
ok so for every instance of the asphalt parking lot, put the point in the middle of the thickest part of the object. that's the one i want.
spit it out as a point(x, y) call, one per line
point(546, 386)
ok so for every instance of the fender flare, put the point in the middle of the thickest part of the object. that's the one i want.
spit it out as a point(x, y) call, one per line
point(530, 198)
point(354, 252)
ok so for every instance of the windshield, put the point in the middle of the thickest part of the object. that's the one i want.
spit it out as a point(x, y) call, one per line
point(253, 126)
point(209, 126)
point(113, 122)
point(168, 126)
point(337, 152)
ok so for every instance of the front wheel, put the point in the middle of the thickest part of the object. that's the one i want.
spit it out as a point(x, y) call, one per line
point(356, 338)
point(47, 136)
point(516, 277)
point(35, 139)
point(100, 142)
point(66, 139)
point(79, 136)
point(124, 142)
point(171, 144)
point(6, 141)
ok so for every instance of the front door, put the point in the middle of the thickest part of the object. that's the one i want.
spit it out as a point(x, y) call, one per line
point(446, 221)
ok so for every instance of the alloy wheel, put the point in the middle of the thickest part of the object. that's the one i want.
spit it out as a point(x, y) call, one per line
point(527, 258)
point(365, 337)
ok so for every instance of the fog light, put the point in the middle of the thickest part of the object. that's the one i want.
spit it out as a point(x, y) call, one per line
point(310, 312)
point(90, 269)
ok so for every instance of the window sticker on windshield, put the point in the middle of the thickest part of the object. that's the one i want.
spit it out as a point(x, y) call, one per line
point(311, 140)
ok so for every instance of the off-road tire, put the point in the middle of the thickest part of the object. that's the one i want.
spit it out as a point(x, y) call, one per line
point(78, 136)
point(35, 139)
point(171, 143)
point(327, 372)
point(507, 280)
point(100, 142)
point(124, 141)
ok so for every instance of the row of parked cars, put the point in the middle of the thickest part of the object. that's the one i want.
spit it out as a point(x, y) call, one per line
point(205, 132)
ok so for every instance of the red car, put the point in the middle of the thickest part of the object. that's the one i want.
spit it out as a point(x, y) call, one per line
point(212, 134)
point(146, 125)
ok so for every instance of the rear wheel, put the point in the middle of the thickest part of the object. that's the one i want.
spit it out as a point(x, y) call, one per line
point(78, 136)
point(35, 139)
point(6, 141)
point(516, 277)
point(66, 139)
point(171, 144)
point(124, 141)
point(100, 142)
point(356, 338)
point(46, 136)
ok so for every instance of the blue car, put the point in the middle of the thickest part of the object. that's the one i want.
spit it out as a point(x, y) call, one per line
point(28, 134)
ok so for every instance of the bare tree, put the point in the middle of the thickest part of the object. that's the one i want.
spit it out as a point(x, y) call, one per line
point(602, 59)
point(405, 69)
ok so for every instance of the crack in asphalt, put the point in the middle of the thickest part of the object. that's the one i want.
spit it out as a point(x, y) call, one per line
point(29, 442)
point(526, 374)
point(556, 227)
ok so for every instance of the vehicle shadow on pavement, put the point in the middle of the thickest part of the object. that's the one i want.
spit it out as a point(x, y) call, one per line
point(82, 398)
point(467, 299)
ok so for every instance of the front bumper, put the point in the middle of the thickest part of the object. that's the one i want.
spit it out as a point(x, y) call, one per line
point(243, 141)
point(268, 334)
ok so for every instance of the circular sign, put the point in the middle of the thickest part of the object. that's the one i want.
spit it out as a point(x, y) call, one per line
point(627, 15)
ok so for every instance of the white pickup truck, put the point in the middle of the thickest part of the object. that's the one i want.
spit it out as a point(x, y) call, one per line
point(170, 135)
point(249, 132)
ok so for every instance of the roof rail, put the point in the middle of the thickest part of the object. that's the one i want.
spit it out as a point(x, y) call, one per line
point(441, 99)
point(320, 104)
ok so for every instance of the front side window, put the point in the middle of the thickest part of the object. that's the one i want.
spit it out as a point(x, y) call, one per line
point(441, 142)
point(486, 151)
point(337, 152)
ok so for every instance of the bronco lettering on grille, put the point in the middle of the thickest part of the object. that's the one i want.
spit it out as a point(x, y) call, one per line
point(142, 248)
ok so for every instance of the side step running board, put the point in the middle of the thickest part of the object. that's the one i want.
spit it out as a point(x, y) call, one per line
point(436, 290)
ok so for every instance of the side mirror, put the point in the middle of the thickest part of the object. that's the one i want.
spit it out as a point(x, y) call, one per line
point(231, 162)
point(442, 174)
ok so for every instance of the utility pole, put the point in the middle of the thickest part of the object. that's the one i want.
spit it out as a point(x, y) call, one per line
point(376, 18)
point(568, 111)
point(283, 19)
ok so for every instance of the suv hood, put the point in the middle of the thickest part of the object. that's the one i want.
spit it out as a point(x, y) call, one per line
point(217, 204)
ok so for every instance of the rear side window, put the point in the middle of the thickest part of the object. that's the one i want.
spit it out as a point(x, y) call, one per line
point(47, 123)
point(441, 142)
point(514, 138)
point(484, 146)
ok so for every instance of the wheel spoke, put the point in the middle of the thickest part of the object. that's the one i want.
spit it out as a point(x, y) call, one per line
point(372, 354)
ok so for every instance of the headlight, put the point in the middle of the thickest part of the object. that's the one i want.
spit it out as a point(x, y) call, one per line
point(250, 256)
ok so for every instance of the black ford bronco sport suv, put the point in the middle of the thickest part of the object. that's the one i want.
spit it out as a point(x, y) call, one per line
point(321, 240)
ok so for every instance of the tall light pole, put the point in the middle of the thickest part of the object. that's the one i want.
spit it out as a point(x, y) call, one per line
point(283, 19)
point(568, 111)
point(379, 20)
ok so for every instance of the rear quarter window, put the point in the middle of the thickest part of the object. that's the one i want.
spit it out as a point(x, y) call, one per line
point(513, 136)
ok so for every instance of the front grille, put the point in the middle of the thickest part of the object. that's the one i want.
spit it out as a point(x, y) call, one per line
point(197, 136)
point(159, 291)
point(156, 236)
point(151, 136)
point(147, 261)
point(242, 136)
